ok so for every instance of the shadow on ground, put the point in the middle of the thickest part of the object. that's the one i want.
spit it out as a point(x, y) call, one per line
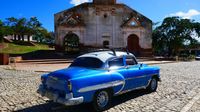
point(54, 107)
point(46, 54)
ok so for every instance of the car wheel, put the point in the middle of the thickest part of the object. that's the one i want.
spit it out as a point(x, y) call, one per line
point(152, 87)
point(101, 100)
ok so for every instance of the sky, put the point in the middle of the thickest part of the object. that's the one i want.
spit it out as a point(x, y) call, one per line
point(44, 10)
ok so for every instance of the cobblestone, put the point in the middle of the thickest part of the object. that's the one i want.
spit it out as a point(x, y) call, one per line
point(180, 83)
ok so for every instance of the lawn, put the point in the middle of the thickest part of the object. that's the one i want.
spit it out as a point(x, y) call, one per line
point(12, 48)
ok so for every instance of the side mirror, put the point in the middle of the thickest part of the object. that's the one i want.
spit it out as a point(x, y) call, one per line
point(140, 66)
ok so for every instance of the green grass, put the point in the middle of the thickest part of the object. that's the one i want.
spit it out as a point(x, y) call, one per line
point(11, 48)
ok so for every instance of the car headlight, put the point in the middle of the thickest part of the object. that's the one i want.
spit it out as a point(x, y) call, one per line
point(69, 85)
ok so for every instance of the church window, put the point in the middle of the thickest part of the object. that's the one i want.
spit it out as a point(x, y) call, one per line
point(105, 36)
point(106, 44)
point(105, 15)
point(143, 23)
point(133, 23)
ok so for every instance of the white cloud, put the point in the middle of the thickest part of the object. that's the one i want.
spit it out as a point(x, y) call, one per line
point(77, 2)
point(186, 15)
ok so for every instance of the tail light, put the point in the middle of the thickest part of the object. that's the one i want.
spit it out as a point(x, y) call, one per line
point(69, 85)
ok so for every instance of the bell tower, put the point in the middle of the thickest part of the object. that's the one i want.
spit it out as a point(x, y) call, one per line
point(104, 2)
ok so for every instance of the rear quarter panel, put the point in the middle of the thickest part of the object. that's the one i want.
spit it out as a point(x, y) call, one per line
point(105, 77)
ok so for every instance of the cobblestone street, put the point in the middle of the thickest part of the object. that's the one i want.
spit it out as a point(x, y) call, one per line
point(179, 87)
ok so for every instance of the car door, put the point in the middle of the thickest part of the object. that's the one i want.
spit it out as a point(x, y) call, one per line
point(135, 76)
point(117, 65)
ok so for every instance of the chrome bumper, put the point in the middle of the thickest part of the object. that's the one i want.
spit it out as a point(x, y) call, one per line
point(69, 100)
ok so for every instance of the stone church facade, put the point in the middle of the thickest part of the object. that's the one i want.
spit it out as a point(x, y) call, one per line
point(105, 23)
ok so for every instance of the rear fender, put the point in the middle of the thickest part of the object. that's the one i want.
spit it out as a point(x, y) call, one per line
point(118, 77)
point(87, 86)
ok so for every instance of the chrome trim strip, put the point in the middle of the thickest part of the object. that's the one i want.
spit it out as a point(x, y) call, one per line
point(126, 91)
point(139, 77)
point(124, 82)
point(142, 87)
point(101, 86)
point(114, 84)
point(149, 81)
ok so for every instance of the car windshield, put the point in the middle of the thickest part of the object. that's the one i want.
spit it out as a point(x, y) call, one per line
point(87, 62)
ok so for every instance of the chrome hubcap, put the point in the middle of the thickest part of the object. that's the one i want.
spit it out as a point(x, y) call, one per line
point(153, 84)
point(102, 99)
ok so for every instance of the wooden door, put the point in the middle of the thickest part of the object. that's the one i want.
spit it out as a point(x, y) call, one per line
point(133, 44)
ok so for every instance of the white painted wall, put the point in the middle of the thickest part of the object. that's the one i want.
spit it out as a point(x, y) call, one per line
point(11, 37)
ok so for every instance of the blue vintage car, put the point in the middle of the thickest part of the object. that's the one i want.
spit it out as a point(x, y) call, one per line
point(96, 77)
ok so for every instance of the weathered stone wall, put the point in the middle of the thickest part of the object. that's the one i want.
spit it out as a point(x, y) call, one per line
point(105, 23)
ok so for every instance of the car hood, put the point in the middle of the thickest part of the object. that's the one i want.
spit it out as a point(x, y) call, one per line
point(75, 72)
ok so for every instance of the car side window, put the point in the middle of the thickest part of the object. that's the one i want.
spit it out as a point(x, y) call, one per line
point(130, 61)
point(116, 62)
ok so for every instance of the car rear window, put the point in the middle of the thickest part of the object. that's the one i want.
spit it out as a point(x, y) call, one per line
point(87, 62)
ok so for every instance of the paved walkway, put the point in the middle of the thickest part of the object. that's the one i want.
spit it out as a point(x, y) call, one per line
point(49, 65)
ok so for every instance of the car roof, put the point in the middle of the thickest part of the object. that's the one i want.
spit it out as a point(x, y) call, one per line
point(105, 55)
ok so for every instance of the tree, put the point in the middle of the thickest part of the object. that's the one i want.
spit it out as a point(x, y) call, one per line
point(41, 34)
point(1, 23)
point(12, 22)
point(21, 28)
point(1, 33)
point(172, 35)
point(18, 26)
point(197, 28)
point(33, 26)
point(4, 30)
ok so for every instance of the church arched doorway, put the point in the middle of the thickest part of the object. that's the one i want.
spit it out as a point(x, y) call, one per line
point(71, 42)
point(133, 44)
